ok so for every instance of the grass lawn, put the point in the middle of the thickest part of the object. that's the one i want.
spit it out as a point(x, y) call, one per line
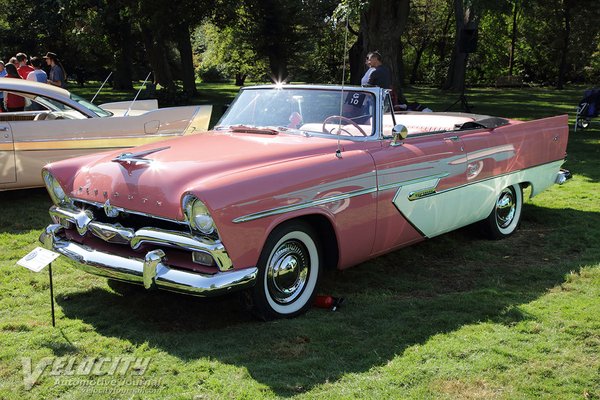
point(452, 317)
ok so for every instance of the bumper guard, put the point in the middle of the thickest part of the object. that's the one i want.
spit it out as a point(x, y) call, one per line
point(152, 271)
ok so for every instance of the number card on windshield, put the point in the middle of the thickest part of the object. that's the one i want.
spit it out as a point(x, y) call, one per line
point(355, 99)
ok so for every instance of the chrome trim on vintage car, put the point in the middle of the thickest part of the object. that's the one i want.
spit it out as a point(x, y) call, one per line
point(563, 176)
point(127, 211)
point(303, 205)
point(115, 233)
point(412, 181)
point(138, 158)
point(419, 194)
point(152, 271)
point(111, 233)
point(81, 218)
point(330, 199)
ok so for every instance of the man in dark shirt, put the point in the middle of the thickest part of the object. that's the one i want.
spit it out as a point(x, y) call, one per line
point(381, 76)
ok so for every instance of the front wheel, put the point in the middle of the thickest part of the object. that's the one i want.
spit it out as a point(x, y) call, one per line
point(506, 215)
point(289, 268)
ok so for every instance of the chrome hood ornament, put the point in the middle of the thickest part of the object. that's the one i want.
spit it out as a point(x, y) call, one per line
point(137, 158)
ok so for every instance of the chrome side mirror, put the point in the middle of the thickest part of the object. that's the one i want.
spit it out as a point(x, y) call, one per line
point(399, 133)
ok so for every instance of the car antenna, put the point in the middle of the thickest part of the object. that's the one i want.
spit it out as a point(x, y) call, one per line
point(137, 94)
point(338, 152)
point(101, 86)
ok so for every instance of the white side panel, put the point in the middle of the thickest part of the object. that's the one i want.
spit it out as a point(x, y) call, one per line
point(437, 213)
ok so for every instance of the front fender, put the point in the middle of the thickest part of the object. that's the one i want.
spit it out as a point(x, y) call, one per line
point(248, 205)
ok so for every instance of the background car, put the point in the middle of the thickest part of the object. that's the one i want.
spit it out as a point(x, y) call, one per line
point(292, 180)
point(57, 124)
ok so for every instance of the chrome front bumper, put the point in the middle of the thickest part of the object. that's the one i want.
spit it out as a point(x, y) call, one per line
point(152, 271)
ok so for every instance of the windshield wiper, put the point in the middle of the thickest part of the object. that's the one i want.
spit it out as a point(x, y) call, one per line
point(253, 129)
point(292, 130)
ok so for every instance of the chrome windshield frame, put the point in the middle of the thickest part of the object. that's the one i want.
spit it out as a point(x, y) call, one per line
point(378, 94)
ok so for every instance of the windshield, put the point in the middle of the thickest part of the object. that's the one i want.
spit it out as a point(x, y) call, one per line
point(94, 108)
point(305, 110)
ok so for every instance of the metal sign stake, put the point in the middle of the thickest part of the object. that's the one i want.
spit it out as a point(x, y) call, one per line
point(51, 295)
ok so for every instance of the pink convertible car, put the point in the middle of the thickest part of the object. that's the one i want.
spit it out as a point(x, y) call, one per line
point(294, 179)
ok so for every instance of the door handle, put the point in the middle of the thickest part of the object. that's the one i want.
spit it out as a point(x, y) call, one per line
point(452, 138)
point(3, 128)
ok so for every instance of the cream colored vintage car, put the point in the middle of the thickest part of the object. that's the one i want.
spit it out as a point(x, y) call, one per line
point(57, 124)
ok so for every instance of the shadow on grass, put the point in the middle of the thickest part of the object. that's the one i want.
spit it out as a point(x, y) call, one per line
point(394, 301)
point(28, 210)
point(584, 153)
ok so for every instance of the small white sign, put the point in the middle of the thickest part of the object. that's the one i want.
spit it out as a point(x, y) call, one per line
point(37, 259)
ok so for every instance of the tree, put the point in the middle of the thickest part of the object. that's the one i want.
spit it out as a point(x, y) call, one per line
point(455, 79)
point(429, 22)
point(117, 26)
point(224, 53)
point(513, 37)
point(382, 25)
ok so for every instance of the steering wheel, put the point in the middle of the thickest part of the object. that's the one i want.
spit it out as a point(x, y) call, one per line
point(342, 119)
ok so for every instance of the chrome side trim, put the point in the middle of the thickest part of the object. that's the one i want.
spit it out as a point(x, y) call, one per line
point(412, 181)
point(419, 194)
point(152, 271)
point(325, 200)
point(303, 205)
point(493, 177)
point(83, 219)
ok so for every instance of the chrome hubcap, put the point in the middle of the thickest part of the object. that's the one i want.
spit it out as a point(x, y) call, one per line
point(287, 271)
point(505, 208)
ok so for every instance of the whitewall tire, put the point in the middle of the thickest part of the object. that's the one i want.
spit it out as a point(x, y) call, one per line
point(289, 269)
point(506, 215)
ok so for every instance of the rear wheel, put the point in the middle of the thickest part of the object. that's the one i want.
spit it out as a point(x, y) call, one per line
point(289, 269)
point(506, 215)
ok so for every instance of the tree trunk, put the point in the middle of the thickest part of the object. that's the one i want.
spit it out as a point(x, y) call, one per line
point(155, 50)
point(184, 45)
point(382, 25)
point(240, 78)
point(274, 33)
point(513, 38)
point(455, 80)
point(118, 29)
point(356, 56)
point(415, 68)
point(442, 44)
point(562, 68)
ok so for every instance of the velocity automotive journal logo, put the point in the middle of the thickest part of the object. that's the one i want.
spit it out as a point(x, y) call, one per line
point(115, 374)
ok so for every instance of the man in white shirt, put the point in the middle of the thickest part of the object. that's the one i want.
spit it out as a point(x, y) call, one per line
point(38, 74)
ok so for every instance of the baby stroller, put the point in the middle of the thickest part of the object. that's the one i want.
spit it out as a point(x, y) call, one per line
point(588, 108)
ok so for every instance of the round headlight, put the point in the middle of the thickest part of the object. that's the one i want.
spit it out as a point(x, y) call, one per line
point(197, 215)
point(56, 192)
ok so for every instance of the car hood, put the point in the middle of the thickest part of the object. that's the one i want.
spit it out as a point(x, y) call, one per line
point(153, 178)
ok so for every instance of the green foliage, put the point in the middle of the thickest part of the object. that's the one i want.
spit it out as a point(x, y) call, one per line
point(428, 40)
point(491, 59)
point(223, 54)
point(301, 39)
